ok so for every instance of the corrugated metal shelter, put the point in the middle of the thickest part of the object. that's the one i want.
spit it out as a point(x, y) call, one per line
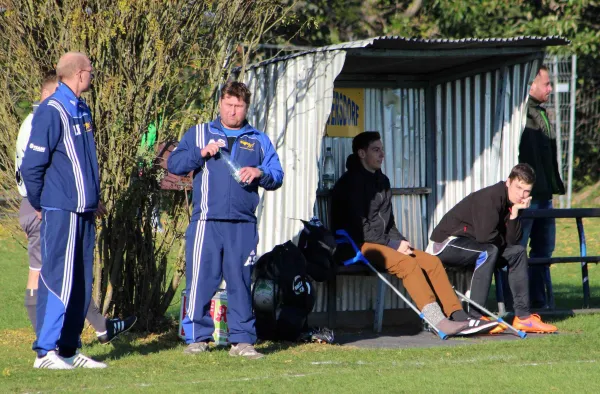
point(450, 113)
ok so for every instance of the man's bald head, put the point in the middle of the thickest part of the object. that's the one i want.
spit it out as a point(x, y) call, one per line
point(70, 64)
point(75, 70)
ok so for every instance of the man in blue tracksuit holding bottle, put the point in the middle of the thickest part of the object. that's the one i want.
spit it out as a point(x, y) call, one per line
point(60, 172)
point(222, 237)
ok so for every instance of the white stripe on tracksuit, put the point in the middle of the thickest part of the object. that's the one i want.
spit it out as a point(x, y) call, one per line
point(468, 293)
point(70, 147)
point(67, 283)
point(200, 227)
point(69, 260)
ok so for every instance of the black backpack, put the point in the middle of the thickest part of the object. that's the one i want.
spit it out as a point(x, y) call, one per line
point(318, 246)
point(293, 298)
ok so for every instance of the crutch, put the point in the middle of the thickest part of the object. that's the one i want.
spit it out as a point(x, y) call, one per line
point(500, 320)
point(344, 238)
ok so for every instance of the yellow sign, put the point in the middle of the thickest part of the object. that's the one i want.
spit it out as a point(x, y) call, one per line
point(347, 113)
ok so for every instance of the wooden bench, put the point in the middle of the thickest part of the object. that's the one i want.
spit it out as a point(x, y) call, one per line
point(354, 270)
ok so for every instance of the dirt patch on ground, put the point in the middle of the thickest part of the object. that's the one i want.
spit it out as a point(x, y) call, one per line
point(579, 197)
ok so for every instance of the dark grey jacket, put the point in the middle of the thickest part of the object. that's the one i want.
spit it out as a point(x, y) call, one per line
point(538, 149)
point(362, 205)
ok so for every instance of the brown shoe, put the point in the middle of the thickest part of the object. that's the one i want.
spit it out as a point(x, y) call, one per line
point(450, 327)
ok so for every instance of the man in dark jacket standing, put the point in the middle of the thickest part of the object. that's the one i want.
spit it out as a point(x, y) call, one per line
point(538, 149)
point(483, 229)
point(362, 205)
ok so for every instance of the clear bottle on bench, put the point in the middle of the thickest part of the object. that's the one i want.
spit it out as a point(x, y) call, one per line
point(328, 177)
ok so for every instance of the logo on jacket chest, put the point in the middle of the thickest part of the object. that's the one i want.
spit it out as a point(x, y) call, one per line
point(247, 145)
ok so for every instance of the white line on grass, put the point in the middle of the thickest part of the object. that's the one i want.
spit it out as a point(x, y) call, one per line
point(464, 361)
point(194, 382)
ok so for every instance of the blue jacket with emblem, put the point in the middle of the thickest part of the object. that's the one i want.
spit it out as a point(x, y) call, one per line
point(217, 195)
point(60, 166)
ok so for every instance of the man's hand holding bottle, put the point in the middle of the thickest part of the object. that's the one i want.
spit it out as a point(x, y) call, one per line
point(210, 150)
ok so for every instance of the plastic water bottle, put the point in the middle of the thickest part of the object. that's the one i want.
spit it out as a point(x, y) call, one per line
point(234, 168)
point(328, 170)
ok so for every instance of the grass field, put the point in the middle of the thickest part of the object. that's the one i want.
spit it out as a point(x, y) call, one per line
point(141, 362)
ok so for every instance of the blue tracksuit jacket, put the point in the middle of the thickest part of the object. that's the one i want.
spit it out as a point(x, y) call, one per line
point(217, 196)
point(60, 167)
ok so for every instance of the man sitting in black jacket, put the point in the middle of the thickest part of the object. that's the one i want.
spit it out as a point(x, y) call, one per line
point(362, 206)
point(484, 228)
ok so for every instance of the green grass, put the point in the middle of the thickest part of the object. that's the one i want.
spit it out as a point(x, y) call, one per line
point(568, 361)
point(145, 362)
point(14, 267)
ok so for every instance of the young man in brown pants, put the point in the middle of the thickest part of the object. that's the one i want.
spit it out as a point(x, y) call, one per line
point(362, 205)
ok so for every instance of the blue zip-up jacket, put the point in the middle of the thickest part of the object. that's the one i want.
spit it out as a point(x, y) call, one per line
point(217, 195)
point(60, 166)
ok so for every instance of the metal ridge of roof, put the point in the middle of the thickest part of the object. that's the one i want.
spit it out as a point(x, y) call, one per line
point(405, 43)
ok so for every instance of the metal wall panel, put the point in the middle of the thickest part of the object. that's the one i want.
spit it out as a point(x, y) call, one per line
point(291, 102)
point(478, 124)
point(399, 116)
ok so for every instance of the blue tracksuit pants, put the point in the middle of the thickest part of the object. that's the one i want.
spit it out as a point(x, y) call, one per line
point(65, 286)
point(216, 250)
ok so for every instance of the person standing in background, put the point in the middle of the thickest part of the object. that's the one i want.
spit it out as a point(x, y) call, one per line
point(538, 149)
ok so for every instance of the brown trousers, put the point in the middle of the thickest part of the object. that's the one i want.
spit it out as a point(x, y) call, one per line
point(410, 269)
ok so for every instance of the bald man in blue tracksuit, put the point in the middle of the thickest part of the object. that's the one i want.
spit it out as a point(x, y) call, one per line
point(222, 237)
point(60, 172)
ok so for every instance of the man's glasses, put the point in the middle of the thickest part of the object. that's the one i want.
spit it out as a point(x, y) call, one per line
point(91, 71)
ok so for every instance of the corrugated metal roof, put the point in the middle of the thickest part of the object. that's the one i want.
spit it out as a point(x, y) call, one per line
point(403, 43)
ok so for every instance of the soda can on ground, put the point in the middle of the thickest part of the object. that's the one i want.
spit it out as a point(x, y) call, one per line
point(182, 312)
point(218, 312)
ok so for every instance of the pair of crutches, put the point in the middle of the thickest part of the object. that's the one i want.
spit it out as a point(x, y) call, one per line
point(342, 237)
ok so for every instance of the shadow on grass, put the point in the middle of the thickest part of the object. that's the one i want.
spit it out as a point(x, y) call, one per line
point(142, 344)
point(268, 347)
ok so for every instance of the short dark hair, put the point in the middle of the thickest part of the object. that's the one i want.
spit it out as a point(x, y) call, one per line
point(542, 68)
point(523, 172)
point(236, 89)
point(363, 140)
point(49, 78)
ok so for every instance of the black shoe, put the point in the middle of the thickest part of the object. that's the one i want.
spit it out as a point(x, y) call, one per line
point(114, 327)
point(477, 326)
point(318, 335)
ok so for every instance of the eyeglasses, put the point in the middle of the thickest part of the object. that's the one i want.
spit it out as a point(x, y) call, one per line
point(91, 71)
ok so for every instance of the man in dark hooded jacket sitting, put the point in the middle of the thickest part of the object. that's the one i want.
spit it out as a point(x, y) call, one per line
point(362, 205)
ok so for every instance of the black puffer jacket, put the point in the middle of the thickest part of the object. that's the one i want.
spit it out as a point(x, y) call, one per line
point(362, 205)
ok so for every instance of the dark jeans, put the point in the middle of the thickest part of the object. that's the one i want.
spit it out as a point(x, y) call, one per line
point(485, 258)
point(541, 234)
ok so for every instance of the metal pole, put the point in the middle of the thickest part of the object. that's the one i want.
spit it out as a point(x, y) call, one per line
point(557, 124)
point(585, 280)
point(572, 128)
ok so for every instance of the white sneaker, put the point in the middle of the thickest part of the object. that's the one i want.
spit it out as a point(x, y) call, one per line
point(81, 361)
point(51, 361)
